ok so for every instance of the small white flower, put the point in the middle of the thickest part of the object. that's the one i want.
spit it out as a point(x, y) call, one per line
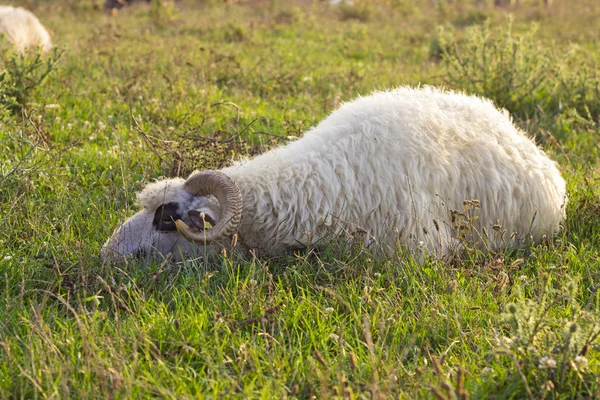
point(8, 258)
point(581, 362)
point(377, 275)
point(523, 278)
point(505, 341)
point(487, 370)
point(329, 310)
point(101, 125)
point(546, 363)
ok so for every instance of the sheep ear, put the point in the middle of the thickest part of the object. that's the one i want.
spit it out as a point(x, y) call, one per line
point(200, 220)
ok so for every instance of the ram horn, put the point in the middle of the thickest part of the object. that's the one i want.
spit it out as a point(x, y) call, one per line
point(229, 196)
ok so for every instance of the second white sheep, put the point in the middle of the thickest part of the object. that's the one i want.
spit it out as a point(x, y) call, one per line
point(23, 29)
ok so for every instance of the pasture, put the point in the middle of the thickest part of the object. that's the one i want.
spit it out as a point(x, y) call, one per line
point(159, 90)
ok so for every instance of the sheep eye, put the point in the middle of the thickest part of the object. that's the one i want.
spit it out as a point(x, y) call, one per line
point(165, 215)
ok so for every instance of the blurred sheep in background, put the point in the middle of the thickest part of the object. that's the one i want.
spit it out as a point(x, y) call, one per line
point(23, 29)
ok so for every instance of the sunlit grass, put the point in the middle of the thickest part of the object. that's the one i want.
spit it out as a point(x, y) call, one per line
point(134, 98)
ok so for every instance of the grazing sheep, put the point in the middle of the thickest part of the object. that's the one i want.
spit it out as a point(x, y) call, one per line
point(23, 29)
point(393, 168)
point(110, 5)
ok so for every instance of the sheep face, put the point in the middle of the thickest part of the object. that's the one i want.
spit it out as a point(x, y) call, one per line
point(152, 231)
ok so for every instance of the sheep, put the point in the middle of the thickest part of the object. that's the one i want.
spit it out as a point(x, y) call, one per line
point(423, 168)
point(23, 29)
point(111, 5)
point(116, 4)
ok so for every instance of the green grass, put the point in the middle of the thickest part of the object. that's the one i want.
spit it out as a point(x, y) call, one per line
point(332, 324)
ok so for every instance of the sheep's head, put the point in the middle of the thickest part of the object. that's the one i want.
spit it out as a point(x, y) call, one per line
point(177, 215)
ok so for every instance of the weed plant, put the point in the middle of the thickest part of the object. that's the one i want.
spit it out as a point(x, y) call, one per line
point(22, 73)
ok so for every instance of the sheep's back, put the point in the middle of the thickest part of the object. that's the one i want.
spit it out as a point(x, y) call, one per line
point(398, 163)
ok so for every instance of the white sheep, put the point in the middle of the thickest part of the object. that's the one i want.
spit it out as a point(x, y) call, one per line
point(23, 29)
point(393, 168)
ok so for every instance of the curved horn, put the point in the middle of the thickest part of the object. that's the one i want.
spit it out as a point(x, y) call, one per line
point(229, 196)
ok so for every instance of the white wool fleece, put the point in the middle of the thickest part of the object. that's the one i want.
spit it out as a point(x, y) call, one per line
point(395, 164)
point(23, 29)
point(393, 168)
